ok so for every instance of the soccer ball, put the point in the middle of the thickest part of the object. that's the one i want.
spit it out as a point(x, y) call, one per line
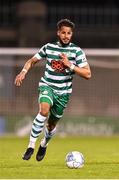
point(74, 160)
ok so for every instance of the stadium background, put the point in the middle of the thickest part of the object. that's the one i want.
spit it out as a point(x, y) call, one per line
point(24, 27)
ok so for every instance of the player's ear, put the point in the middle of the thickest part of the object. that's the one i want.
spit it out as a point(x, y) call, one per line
point(58, 33)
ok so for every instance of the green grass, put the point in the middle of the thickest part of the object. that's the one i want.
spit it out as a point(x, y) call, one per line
point(101, 158)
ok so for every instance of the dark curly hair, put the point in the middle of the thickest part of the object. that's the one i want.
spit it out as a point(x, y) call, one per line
point(65, 22)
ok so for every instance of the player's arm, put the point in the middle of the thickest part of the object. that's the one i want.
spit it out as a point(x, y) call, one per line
point(28, 65)
point(84, 72)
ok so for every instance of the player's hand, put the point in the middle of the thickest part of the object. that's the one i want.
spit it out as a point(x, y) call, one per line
point(65, 60)
point(19, 78)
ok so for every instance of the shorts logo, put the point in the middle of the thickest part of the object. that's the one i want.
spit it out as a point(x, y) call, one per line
point(45, 92)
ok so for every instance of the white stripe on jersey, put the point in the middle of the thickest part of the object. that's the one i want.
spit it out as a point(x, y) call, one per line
point(68, 91)
point(53, 77)
point(83, 64)
point(57, 53)
point(67, 84)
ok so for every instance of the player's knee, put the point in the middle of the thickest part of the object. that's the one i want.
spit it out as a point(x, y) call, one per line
point(44, 110)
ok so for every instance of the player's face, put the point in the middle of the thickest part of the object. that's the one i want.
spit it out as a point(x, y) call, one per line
point(65, 35)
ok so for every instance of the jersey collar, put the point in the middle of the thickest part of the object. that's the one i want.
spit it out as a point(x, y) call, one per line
point(60, 45)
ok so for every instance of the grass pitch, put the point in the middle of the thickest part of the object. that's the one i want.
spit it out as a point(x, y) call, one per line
point(101, 158)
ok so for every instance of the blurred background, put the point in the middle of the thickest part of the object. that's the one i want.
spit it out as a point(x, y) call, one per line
point(26, 25)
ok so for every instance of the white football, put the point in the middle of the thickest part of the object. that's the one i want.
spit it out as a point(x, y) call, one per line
point(74, 160)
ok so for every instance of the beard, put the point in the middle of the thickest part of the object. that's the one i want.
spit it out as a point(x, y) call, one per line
point(64, 44)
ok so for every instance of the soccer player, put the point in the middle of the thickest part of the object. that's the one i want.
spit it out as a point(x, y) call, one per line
point(63, 60)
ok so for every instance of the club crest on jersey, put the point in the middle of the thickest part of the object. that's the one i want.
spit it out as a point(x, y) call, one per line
point(68, 54)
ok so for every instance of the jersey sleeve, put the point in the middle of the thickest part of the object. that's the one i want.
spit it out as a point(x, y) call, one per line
point(41, 53)
point(81, 59)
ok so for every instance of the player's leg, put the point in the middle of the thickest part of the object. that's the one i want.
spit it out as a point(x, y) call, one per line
point(45, 103)
point(56, 111)
point(37, 128)
point(49, 132)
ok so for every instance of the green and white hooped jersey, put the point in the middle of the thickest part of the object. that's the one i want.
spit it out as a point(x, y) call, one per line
point(57, 76)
